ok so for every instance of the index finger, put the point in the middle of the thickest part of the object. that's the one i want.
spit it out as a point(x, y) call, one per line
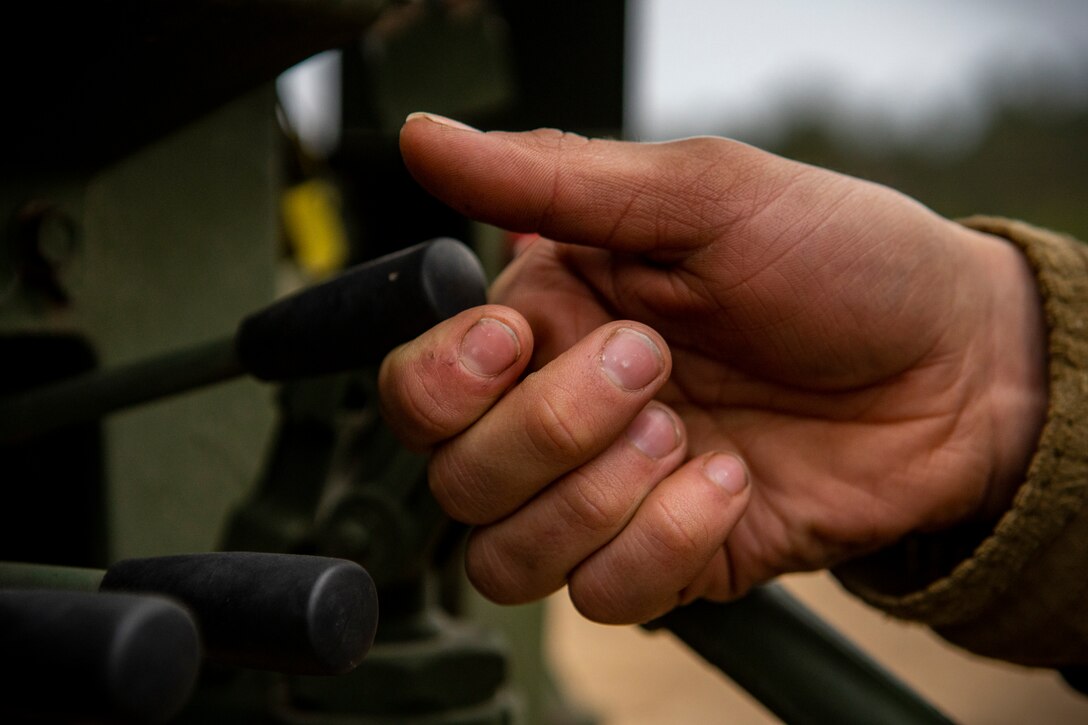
point(437, 385)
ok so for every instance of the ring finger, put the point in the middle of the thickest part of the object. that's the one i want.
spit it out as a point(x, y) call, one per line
point(529, 554)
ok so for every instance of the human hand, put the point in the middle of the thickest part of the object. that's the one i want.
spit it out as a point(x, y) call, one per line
point(740, 366)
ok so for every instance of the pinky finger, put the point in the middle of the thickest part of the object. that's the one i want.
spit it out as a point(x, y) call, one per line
point(675, 535)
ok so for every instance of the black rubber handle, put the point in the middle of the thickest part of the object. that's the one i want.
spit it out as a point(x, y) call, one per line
point(357, 318)
point(306, 615)
point(346, 323)
point(73, 655)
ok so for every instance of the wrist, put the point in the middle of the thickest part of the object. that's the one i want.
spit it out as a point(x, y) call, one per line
point(1018, 580)
point(1016, 394)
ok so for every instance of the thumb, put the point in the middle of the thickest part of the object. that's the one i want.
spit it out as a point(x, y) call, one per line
point(629, 197)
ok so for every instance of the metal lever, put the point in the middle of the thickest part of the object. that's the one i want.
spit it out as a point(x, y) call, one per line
point(348, 322)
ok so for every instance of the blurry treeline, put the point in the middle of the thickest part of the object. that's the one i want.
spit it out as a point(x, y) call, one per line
point(1030, 162)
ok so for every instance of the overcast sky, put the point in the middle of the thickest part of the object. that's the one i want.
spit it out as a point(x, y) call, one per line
point(721, 66)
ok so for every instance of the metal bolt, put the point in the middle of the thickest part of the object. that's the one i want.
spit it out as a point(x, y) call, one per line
point(43, 244)
point(57, 237)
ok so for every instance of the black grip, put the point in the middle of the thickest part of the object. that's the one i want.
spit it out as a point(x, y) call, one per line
point(358, 317)
point(305, 615)
point(74, 655)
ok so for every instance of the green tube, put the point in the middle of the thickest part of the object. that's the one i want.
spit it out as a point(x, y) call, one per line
point(794, 663)
point(41, 576)
point(92, 395)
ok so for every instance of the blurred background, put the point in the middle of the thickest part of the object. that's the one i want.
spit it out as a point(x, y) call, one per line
point(972, 106)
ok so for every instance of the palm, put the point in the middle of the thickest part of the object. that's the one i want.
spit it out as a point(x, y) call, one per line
point(840, 408)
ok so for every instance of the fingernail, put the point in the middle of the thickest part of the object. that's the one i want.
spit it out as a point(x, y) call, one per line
point(441, 120)
point(726, 471)
point(631, 359)
point(489, 347)
point(654, 432)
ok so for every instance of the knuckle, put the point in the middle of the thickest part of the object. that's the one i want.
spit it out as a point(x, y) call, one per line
point(678, 535)
point(491, 572)
point(509, 567)
point(557, 141)
point(553, 430)
point(599, 600)
point(704, 148)
point(563, 147)
point(457, 488)
point(589, 503)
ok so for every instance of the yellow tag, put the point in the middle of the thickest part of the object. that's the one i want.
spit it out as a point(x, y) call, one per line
point(315, 230)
